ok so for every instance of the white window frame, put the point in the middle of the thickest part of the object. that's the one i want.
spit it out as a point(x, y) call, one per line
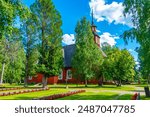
point(68, 74)
point(30, 78)
point(60, 77)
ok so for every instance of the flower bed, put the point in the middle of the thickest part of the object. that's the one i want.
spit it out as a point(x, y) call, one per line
point(23, 91)
point(56, 96)
point(136, 96)
point(6, 89)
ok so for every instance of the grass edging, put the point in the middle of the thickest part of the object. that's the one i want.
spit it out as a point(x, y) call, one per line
point(56, 96)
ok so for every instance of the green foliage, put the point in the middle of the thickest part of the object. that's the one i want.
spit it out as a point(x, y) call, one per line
point(118, 65)
point(10, 44)
point(9, 10)
point(87, 57)
point(30, 40)
point(13, 58)
point(15, 67)
point(50, 36)
point(140, 9)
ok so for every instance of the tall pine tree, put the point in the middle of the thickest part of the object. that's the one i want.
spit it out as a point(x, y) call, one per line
point(50, 35)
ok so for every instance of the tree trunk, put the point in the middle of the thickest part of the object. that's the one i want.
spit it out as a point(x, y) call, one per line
point(66, 83)
point(100, 82)
point(85, 82)
point(44, 81)
point(2, 73)
point(25, 82)
point(26, 75)
point(118, 83)
point(77, 84)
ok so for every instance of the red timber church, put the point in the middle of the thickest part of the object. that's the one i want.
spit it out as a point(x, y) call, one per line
point(66, 73)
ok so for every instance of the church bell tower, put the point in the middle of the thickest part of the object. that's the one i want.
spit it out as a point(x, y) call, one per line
point(93, 27)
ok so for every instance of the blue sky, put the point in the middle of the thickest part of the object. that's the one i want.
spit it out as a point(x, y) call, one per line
point(108, 18)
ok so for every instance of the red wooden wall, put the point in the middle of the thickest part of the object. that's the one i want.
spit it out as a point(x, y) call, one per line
point(55, 80)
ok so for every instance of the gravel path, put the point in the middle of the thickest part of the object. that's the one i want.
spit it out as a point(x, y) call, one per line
point(137, 90)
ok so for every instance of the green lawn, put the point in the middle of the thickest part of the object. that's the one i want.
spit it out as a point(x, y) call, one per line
point(91, 96)
point(93, 92)
point(145, 98)
point(31, 95)
point(125, 97)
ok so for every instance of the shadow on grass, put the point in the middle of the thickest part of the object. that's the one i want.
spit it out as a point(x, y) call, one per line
point(82, 86)
point(145, 98)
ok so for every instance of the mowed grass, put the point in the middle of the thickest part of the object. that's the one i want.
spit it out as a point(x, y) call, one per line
point(31, 95)
point(92, 96)
point(93, 92)
point(125, 97)
point(145, 98)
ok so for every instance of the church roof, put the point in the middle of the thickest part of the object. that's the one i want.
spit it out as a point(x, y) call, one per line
point(69, 52)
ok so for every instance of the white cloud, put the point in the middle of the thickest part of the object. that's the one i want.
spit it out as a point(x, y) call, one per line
point(131, 50)
point(109, 12)
point(110, 39)
point(98, 31)
point(68, 39)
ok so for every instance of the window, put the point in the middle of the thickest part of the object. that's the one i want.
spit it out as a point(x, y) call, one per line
point(30, 77)
point(60, 77)
point(69, 74)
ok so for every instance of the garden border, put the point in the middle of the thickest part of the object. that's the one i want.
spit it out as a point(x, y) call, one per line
point(61, 95)
point(21, 92)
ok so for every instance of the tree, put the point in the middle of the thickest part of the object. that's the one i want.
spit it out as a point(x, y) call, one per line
point(118, 65)
point(15, 66)
point(126, 65)
point(139, 10)
point(50, 35)
point(30, 41)
point(14, 57)
point(12, 53)
point(9, 11)
point(87, 56)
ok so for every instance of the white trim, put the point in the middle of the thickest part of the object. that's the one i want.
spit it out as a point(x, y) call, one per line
point(67, 77)
point(30, 78)
point(60, 77)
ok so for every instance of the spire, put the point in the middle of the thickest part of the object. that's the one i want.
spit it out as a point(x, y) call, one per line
point(92, 18)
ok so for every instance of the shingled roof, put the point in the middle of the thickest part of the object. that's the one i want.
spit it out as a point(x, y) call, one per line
point(68, 54)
